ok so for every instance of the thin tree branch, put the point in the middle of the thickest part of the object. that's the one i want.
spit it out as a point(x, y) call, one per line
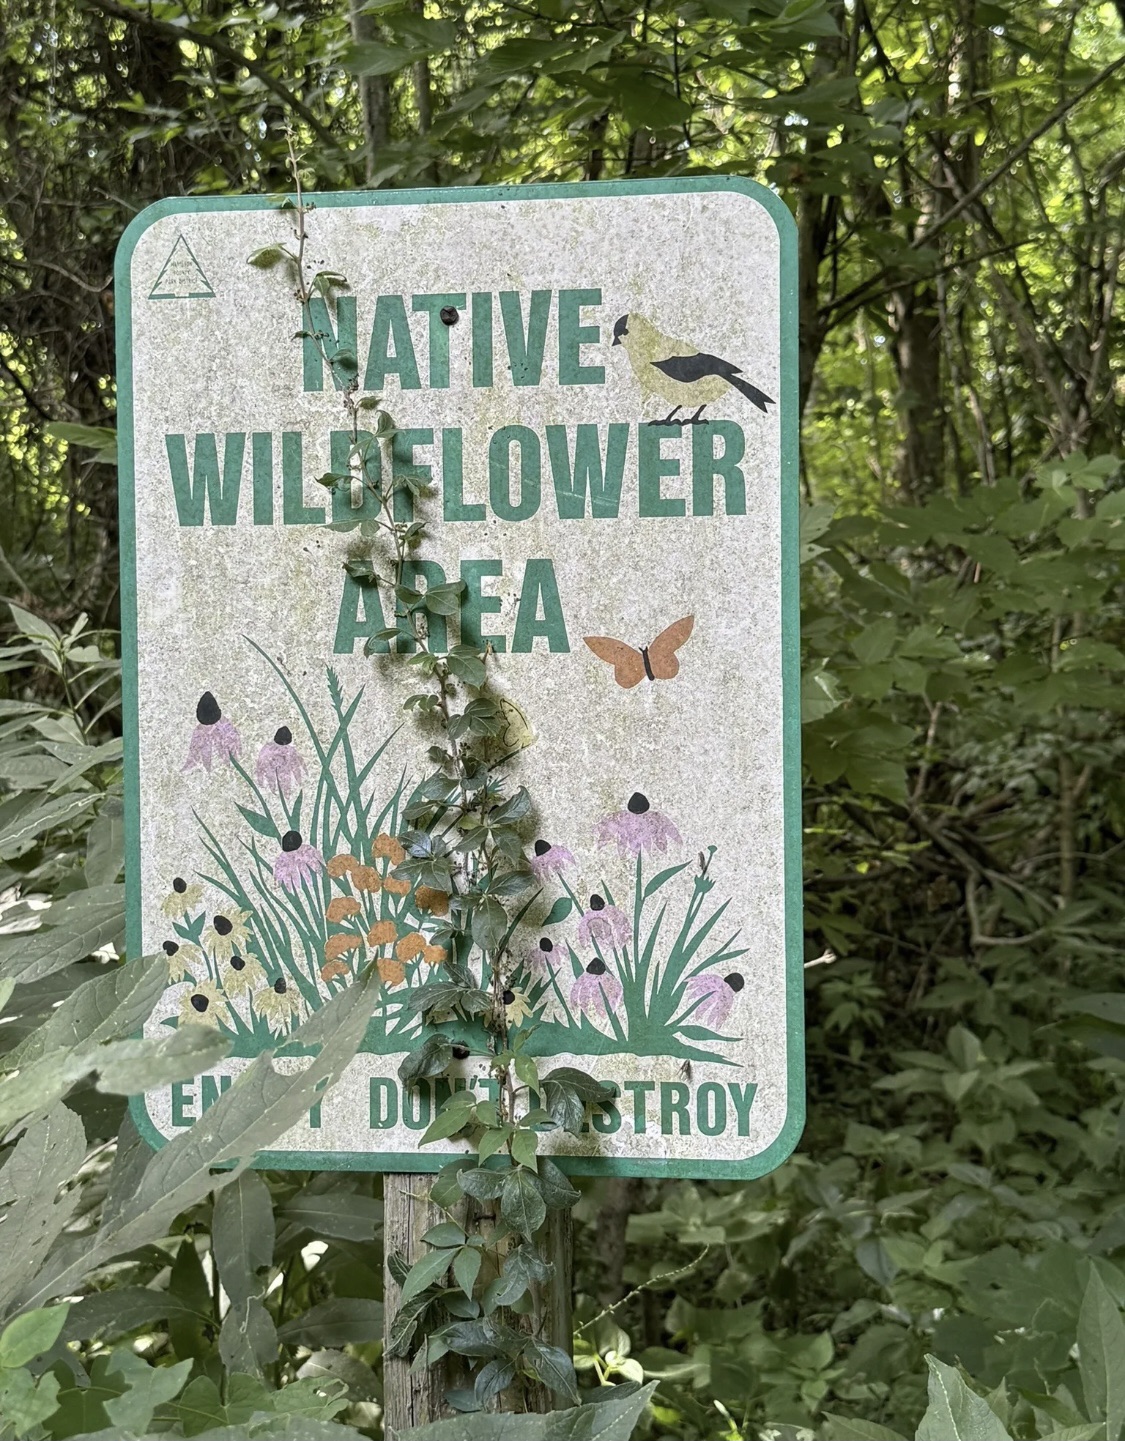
point(220, 47)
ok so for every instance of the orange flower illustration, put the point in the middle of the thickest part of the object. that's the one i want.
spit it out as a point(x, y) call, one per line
point(341, 907)
point(331, 969)
point(396, 888)
point(366, 878)
point(387, 846)
point(382, 933)
point(432, 900)
point(339, 945)
point(410, 946)
point(340, 866)
point(391, 971)
point(434, 955)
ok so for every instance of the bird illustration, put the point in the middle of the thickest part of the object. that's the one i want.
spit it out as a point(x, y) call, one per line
point(678, 372)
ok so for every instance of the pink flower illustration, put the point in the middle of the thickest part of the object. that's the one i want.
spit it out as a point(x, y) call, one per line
point(637, 828)
point(539, 956)
point(213, 738)
point(279, 764)
point(715, 995)
point(296, 862)
point(603, 924)
point(596, 990)
point(548, 860)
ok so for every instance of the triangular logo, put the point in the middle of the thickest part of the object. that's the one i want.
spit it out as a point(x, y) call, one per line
point(181, 277)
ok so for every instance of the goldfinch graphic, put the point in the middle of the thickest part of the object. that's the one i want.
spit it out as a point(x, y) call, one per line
point(678, 372)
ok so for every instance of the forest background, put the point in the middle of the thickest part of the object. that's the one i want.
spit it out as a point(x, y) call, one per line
point(956, 171)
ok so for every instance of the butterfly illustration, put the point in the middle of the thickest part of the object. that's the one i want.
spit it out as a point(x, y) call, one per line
point(656, 661)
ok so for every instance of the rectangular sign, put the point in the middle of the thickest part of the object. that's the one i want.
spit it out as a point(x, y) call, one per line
point(600, 381)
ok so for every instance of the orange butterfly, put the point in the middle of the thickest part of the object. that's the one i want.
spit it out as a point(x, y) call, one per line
point(657, 661)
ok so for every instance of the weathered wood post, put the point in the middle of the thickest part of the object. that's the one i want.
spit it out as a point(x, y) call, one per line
point(411, 1397)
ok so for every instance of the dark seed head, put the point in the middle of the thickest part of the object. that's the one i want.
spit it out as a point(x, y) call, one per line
point(223, 926)
point(283, 736)
point(207, 712)
point(291, 841)
point(449, 315)
point(596, 968)
point(734, 981)
point(597, 903)
point(170, 948)
point(638, 804)
point(199, 1003)
point(508, 997)
point(179, 885)
point(460, 1052)
point(546, 944)
point(280, 985)
point(237, 963)
point(542, 847)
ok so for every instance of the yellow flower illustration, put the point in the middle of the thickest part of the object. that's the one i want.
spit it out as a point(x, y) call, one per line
point(242, 974)
point(391, 972)
point(517, 1007)
point(277, 1004)
point(432, 900)
point(226, 934)
point(341, 907)
point(382, 933)
point(200, 1005)
point(184, 961)
point(387, 846)
point(181, 899)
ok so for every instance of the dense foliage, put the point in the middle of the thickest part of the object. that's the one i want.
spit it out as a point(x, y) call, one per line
point(956, 174)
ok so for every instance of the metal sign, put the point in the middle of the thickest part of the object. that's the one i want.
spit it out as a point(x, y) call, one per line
point(600, 382)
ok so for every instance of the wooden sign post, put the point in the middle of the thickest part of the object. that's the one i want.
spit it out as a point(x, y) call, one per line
point(599, 384)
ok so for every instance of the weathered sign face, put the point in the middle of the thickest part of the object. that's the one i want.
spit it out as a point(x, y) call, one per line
point(600, 381)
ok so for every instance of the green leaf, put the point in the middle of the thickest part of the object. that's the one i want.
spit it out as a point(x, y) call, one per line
point(147, 1388)
point(466, 1268)
point(522, 1204)
point(483, 1184)
point(840, 1428)
point(553, 1367)
point(431, 1058)
point(260, 823)
point(101, 439)
point(525, 1144)
point(344, 1321)
point(242, 1235)
point(955, 1412)
point(26, 1403)
point(426, 1272)
point(266, 258)
point(559, 911)
point(554, 1187)
point(446, 1233)
point(1101, 1356)
point(30, 1335)
point(611, 1415)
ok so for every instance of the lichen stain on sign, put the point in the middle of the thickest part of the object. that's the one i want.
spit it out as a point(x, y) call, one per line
point(600, 383)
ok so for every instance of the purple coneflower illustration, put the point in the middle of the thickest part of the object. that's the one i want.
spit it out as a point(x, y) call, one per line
point(279, 764)
point(603, 924)
point(637, 828)
point(538, 958)
point(715, 995)
point(548, 860)
point(596, 990)
point(213, 738)
point(296, 862)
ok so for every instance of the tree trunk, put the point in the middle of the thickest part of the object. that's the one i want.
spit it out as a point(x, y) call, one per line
point(374, 95)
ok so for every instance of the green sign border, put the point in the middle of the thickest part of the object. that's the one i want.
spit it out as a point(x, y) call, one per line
point(416, 1161)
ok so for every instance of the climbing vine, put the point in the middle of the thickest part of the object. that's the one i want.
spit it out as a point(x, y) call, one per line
point(470, 1294)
